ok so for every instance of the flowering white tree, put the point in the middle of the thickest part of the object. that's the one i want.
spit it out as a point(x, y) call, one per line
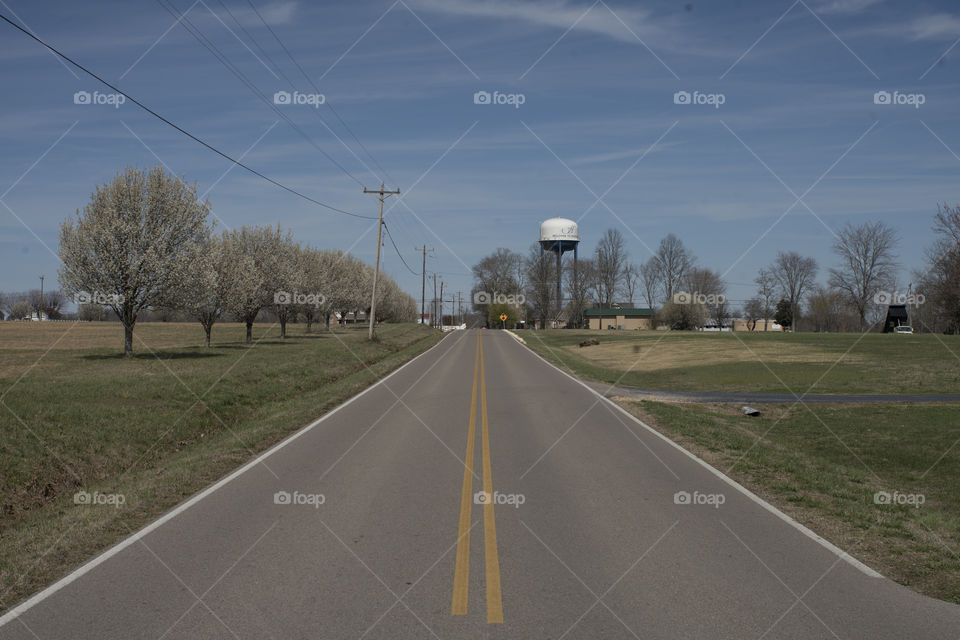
point(282, 269)
point(209, 281)
point(126, 246)
point(246, 250)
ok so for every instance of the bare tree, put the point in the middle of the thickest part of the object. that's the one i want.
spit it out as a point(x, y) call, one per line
point(766, 294)
point(706, 292)
point(631, 281)
point(611, 260)
point(20, 310)
point(540, 278)
point(940, 281)
point(867, 263)
point(673, 264)
point(127, 243)
point(578, 290)
point(498, 272)
point(794, 275)
point(753, 311)
point(650, 279)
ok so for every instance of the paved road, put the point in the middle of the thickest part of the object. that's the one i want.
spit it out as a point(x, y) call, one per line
point(614, 391)
point(599, 548)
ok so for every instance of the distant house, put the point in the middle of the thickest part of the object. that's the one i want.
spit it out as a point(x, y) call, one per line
point(897, 316)
point(742, 324)
point(619, 318)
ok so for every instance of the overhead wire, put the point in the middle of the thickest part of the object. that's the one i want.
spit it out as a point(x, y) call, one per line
point(293, 86)
point(317, 89)
point(198, 35)
point(400, 255)
point(177, 127)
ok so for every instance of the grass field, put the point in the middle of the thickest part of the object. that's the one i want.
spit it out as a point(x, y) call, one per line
point(825, 465)
point(822, 464)
point(156, 428)
point(757, 361)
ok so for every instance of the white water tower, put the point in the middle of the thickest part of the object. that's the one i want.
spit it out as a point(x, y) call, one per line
point(560, 235)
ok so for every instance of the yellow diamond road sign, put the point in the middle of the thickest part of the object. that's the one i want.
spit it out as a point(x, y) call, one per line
point(503, 317)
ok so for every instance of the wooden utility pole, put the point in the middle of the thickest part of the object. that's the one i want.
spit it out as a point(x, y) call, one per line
point(433, 307)
point(376, 268)
point(40, 306)
point(423, 280)
point(441, 306)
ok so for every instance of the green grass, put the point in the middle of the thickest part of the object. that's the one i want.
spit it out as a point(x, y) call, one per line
point(758, 362)
point(824, 465)
point(79, 416)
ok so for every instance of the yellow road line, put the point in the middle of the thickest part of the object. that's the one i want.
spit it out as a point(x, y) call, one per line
point(494, 598)
point(461, 573)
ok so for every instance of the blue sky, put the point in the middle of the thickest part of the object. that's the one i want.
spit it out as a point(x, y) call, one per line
point(598, 121)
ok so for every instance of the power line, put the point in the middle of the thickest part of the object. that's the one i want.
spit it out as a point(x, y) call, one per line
point(208, 44)
point(385, 228)
point(177, 127)
point(317, 89)
point(291, 84)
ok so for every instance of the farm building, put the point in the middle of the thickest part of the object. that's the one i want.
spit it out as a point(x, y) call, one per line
point(619, 318)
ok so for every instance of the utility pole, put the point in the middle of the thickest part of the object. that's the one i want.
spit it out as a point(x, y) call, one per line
point(40, 306)
point(441, 305)
point(376, 269)
point(423, 280)
point(433, 307)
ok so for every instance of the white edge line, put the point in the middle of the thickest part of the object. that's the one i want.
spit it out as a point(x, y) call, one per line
point(733, 483)
point(14, 613)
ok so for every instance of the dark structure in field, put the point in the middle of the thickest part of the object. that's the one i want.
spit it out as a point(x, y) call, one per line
point(897, 316)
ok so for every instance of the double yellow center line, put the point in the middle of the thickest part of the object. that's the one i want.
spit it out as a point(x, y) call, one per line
point(461, 576)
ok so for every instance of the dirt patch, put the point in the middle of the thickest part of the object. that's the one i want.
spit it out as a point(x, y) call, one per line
point(669, 354)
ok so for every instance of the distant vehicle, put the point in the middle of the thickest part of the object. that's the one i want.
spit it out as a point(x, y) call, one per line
point(903, 329)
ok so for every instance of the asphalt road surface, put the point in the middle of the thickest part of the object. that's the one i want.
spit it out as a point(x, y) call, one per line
point(366, 524)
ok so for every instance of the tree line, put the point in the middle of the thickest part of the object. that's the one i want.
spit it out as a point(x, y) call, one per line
point(145, 242)
point(685, 294)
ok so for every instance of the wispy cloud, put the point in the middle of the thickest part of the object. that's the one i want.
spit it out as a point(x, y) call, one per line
point(844, 6)
point(601, 158)
point(558, 14)
point(934, 27)
point(274, 14)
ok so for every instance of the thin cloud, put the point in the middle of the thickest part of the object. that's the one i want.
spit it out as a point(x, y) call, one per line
point(845, 6)
point(274, 14)
point(558, 14)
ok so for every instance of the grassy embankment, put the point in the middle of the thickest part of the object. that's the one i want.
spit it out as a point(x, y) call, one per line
point(79, 416)
point(824, 463)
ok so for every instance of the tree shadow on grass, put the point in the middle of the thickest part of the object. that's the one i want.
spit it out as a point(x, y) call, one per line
point(153, 355)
